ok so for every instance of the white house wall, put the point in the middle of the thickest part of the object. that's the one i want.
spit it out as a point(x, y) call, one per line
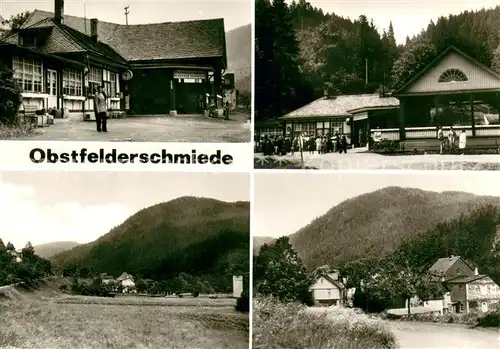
point(325, 290)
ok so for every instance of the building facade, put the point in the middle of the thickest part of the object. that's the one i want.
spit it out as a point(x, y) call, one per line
point(161, 68)
point(328, 290)
point(473, 293)
point(454, 90)
point(352, 115)
point(467, 290)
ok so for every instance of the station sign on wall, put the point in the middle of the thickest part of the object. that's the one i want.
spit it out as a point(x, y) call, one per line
point(189, 74)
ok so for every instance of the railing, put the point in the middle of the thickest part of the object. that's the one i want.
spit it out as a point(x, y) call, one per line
point(392, 134)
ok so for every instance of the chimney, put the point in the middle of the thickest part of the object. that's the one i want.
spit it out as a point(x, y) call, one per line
point(59, 11)
point(93, 29)
point(476, 272)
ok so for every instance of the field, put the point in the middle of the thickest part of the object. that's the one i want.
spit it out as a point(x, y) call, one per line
point(294, 326)
point(48, 320)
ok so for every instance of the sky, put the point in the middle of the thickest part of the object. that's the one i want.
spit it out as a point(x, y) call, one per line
point(408, 17)
point(285, 202)
point(42, 207)
point(236, 13)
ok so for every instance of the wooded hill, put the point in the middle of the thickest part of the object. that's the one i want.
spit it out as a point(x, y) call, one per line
point(51, 249)
point(239, 56)
point(374, 225)
point(259, 241)
point(300, 51)
point(197, 236)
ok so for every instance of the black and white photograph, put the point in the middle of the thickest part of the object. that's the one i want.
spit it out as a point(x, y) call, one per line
point(124, 260)
point(379, 260)
point(369, 85)
point(161, 71)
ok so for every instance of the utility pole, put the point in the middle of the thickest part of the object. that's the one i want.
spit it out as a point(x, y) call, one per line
point(366, 71)
point(126, 14)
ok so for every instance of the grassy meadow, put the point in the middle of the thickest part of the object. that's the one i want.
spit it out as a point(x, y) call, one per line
point(294, 326)
point(46, 319)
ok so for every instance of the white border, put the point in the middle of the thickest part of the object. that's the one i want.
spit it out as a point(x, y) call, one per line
point(15, 156)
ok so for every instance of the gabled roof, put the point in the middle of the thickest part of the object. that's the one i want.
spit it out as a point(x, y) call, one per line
point(343, 105)
point(436, 60)
point(58, 41)
point(331, 280)
point(125, 276)
point(158, 41)
point(465, 279)
point(442, 265)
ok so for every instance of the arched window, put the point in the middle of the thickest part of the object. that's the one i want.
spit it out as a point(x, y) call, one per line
point(453, 75)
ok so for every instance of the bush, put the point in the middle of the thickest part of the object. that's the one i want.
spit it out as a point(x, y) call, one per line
point(243, 303)
point(385, 146)
point(10, 96)
point(278, 325)
point(450, 318)
point(490, 320)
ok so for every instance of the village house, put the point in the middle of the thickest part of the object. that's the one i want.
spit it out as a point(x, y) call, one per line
point(107, 279)
point(161, 68)
point(328, 290)
point(467, 289)
point(127, 282)
point(453, 90)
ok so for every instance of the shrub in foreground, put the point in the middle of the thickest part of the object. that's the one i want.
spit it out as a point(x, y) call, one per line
point(294, 326)
point(489, 320)
point(243, 303)
point(450, 318)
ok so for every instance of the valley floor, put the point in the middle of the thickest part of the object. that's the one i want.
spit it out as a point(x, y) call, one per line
point(77, 322)
point(420, 335)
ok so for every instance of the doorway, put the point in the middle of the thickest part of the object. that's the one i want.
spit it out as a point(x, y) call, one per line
point(51, 88)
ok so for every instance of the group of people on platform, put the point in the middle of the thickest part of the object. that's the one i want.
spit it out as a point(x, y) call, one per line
point(452, 140)
point(281, 145)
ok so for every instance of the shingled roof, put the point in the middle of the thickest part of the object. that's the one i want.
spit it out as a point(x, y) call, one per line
point(158, 41)
point(343, 105)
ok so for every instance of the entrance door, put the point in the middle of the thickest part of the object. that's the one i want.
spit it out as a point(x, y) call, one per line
point(51, 83)
point(188, 95)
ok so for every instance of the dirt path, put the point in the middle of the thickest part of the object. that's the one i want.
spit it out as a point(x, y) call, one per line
point(418, 335)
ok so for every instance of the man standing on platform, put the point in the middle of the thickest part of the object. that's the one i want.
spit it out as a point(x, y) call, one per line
point(100, 109)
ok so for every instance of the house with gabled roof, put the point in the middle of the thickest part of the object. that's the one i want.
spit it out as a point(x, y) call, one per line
point(127, 282)
point(328, 290)
point(158, 68)
point(451, 267)
point(468, 290)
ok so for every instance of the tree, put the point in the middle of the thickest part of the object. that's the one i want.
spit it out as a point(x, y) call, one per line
point(279, 272)
point(417, 56)
point(10, 96)
point(16, 21)
point(279, 86)
point(141, 286)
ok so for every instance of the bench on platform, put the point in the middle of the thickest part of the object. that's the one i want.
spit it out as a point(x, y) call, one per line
point(421, 145)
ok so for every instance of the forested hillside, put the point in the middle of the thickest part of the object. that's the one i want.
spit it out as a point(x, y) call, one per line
point(196, 236)
point(375, 224)
point(301, 51)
